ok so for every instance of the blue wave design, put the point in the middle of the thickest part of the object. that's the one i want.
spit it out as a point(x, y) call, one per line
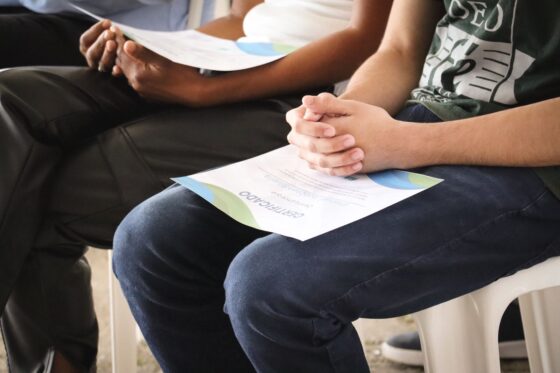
point(395, 179)
point(258, 49)
point(197, 187)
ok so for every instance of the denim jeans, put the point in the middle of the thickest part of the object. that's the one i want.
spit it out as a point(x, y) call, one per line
point(289, 303)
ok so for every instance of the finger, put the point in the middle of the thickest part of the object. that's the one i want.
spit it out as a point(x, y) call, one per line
point(335, 160)
point(295, 114)
point(314, 129)
point(96, 50)
point(322, 145)
point(343, 171)
point(139, 53)
point(109, 54)
point(328, 104)
point(91, 35)
point(117, 71)
point(312, 116)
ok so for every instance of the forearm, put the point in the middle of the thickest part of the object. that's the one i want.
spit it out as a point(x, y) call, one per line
point(523, 136)
point(229, 27)
point(316, 65)
point(320, 63)
point(384, 80)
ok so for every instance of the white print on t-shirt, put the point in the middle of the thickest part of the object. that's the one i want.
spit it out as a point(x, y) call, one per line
point(479, 69)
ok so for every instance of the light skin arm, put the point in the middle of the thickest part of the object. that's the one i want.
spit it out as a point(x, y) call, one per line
point(354, 136)
point(323, 62)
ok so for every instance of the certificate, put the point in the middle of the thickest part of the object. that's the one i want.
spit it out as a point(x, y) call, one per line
point(277, 192)
point(193, 48)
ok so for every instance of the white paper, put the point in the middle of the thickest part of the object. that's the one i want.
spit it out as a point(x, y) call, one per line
point(193, 48)
point(277, 192)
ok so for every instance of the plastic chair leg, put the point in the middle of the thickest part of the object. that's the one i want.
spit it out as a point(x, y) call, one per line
point(123, 329)
point(457, 336)
point(540, 312)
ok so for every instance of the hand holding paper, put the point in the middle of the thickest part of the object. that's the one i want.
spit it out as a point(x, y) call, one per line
point(198, 50)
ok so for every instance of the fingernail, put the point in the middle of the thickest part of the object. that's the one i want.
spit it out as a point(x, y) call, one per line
point(101, 69)
point(329, 132)
point(349, 141)
point(356, 155)
point(357, 166)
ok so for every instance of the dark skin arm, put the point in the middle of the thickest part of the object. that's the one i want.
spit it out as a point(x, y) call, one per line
point(323, 62)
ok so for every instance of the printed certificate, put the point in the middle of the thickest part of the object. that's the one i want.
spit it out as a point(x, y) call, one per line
point(277, 192)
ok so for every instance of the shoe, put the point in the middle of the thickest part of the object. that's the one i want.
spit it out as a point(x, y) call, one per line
point(405, 348)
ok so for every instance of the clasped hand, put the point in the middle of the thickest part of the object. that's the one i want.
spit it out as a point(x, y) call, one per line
point(343, 137)
point(149, 74)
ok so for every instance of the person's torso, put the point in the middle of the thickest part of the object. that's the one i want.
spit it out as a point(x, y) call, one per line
point(297, 22)
point(492, 54)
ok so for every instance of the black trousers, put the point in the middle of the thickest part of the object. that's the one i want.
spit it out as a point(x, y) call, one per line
point(80, 149)
point(28, 38)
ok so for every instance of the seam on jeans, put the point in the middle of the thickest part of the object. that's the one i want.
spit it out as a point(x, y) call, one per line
point(16, 184)
point(121, 193)
point(142, 160)
point(113, 174)
point(431, 253)
point(85, 240)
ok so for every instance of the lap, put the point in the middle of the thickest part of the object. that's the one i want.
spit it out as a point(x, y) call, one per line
point(478, 225)
point(97, 184)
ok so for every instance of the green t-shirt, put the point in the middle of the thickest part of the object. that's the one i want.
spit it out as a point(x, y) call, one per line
point(490, 55)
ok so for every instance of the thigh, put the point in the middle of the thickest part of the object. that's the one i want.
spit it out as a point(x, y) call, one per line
point(64, 106)
point(98, 184)
point(40, 39)
point(478, 225)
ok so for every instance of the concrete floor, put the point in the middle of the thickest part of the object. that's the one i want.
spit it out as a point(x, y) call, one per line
point(375, 331)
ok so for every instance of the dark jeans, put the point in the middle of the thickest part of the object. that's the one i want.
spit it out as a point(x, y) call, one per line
point(291, 303)
point(79, 150)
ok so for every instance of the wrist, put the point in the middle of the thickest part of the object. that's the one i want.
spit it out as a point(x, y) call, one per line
point(420, 144)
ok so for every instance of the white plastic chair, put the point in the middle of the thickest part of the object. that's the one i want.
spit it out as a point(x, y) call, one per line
point(124, 340)
point(461, 335)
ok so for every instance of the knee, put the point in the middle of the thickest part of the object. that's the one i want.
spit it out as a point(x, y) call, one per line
point(144, 234)
point(258, 285)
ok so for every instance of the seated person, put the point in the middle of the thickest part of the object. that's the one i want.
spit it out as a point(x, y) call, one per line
point(483, 82)
point(81, 148)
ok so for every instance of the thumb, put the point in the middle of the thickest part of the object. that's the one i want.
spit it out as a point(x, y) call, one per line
point(138, 52)
point(326, 103)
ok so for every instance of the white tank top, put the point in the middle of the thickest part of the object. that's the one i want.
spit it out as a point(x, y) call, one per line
point(296, 22)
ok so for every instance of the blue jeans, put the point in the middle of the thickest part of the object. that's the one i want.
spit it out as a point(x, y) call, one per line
point(290, 304)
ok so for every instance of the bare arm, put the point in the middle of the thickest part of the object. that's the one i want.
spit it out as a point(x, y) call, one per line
point(523, 136)
point(320, 63)
point(388, 76)
point(360, 135)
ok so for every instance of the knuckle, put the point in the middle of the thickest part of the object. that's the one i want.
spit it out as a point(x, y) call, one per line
point(312, 146)
point(298, 125)
point(323, 162)
point(140, 77)
point(134, 83)
point(290, 137)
